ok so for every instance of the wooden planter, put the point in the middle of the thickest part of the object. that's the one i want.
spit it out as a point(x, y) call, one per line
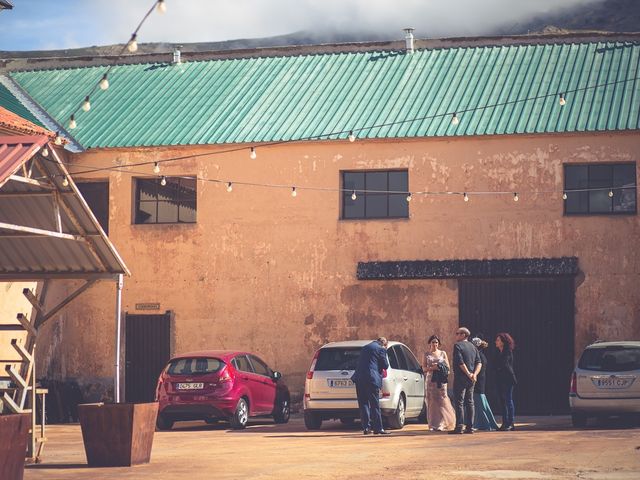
point(117, 434)
point(14, 430)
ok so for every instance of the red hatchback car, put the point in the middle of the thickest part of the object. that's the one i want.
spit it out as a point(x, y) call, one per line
point(220, 385)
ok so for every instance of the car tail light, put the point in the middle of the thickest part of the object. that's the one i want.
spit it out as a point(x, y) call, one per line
point(160, 383)
point(573, 388)
point(384, 373)
point(386, 394)
point(225, 376)
point(313, 364)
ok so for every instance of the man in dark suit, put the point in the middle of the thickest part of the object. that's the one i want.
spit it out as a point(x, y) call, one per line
point(368, 379)
point(466, 367)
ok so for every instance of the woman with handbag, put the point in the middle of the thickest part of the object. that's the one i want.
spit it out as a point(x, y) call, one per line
point(506, 379)
point(440, 413)
point(483, 419)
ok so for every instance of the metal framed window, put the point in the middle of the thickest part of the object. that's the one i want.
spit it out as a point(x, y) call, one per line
point(371, 191)
point(613, 189)
point(174, 202)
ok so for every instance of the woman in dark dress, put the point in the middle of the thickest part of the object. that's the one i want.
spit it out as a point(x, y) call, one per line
point(506, 379)
point(483, 419)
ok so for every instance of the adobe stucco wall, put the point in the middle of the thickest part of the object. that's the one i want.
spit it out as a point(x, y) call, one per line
point(277, 275)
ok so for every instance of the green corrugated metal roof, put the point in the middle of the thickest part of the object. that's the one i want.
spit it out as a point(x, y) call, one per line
point(251, 100)
point(11, 103)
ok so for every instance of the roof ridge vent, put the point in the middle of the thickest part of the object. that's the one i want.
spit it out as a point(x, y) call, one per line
point(408, 39)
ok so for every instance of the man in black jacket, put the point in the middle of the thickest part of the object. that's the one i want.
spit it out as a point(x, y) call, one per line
point(466, 366)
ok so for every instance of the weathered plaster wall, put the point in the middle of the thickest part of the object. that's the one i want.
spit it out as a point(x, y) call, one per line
point(277, 275)
point(12, 302)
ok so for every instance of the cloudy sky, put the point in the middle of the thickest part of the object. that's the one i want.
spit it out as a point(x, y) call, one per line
point(57, 24)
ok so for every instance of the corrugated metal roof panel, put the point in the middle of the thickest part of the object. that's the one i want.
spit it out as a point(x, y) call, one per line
point(494, 90)
point(11, 103)
point(31, 244)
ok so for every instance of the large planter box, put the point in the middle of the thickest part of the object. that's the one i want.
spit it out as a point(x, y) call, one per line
point(117, 434)
point(14, 431)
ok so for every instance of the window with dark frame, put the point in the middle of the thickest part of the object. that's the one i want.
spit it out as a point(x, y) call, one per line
point(373, 199)
point(610, 189)
point(96, 194)
point(174, 202)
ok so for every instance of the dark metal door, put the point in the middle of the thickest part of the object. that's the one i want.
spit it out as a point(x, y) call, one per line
point(147, 352)
point(539, 314)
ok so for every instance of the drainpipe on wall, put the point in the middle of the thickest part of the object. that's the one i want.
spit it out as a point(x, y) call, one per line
point(116, 379)
point(408, 39)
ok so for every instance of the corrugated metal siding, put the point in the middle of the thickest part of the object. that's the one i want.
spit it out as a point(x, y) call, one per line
point(26, 256)
point(11, 103)
point(253, 100)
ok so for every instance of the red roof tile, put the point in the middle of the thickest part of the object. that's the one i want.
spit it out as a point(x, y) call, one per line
point(16, 150)
point(11, 121)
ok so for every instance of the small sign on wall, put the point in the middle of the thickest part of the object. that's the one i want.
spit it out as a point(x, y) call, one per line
point(147, 306)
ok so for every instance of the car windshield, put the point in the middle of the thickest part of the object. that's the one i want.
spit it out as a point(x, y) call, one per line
point(338, 358)
point(611, 359)
point(194, 366)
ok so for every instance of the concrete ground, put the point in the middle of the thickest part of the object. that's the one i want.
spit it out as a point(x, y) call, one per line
point(541, 448)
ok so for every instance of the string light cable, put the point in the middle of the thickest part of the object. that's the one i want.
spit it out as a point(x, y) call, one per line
point(350, 133)
point(103, 84)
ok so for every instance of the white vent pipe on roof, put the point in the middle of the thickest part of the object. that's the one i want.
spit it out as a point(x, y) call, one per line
point(176, 54)
point(408, 39)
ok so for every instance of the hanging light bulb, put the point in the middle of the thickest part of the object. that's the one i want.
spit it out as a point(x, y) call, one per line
point(161, 7)
point(352, 137)
point(516, 197)
point(455, 120)
point(294, 193)
point(86, 105)
point(466, 197)
point(610, 193)
point(163, 181)
point(132, 46)
point(229, 187)
point(65, 182)
point(156, 167)
point(72, 122)
point(58, 139)
point(409, 198)
point(253, 154)
point(562, 100)
point(564, 195)
point(104, 83)
point(353, 195)
point(45, 152)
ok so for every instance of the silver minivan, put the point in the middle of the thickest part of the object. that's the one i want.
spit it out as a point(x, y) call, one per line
point(606, 381)
point(329, 392)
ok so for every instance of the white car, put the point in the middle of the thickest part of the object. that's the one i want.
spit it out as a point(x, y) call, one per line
point(606, 382)
point(329, 392)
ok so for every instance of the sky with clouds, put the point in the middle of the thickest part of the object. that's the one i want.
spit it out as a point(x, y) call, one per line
point(60, 24)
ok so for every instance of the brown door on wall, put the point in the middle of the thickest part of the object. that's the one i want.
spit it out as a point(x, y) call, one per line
point(147, 352)
point(539, 314)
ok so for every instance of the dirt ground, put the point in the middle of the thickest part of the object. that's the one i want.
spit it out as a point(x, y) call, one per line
point(541, 448)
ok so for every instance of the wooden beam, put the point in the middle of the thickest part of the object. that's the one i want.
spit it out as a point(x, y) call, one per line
point(39, 231)
point(33, 301)
point(26, 324)
point(31, 181)
point(41, 320)
point(56, 212)
point(26, 356)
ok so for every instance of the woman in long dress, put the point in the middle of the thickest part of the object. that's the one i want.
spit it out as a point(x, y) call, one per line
point(483, 419)
point(440, 413)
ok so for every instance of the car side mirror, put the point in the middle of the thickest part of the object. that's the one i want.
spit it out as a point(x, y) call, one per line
point(276, 375)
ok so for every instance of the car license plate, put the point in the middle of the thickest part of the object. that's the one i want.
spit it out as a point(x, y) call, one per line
point(612, 382)
point(340, 382)
point(190, 386)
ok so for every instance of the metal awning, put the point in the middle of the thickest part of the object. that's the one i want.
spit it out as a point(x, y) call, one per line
point(47, 230)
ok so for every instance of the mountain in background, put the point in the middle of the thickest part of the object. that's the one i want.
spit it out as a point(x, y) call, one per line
point(605, 16)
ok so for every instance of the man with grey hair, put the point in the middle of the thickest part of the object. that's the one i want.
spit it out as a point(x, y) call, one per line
point(466, 366)
point(368, 379)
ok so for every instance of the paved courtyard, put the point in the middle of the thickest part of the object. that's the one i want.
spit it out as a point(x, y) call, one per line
point(541, 448)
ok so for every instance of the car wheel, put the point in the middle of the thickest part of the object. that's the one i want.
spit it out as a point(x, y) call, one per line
point(578, 420)
point(347, 421)
point(398, 418)
point(282, 410)
point(164, 423)
point(241, 415)
point(312, 421)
